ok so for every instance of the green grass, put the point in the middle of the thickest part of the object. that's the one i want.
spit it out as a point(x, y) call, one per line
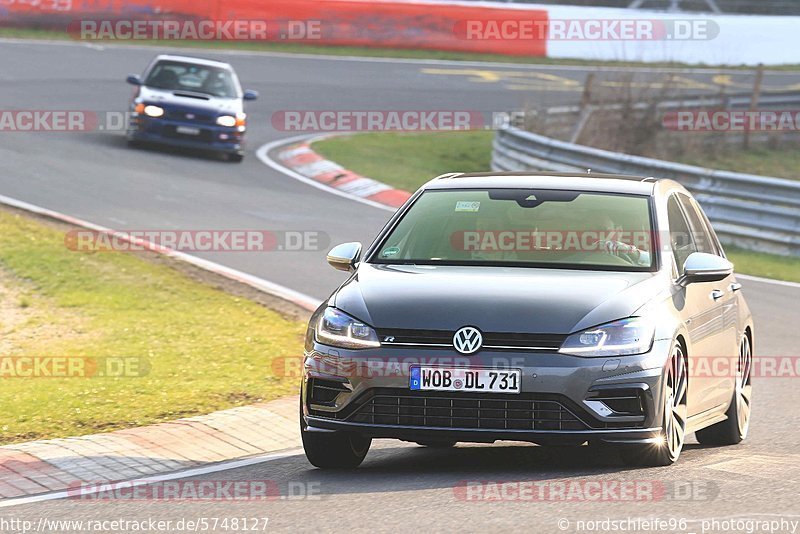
point(408, 160)
point(766, 265)
point(780, 162)
point(205, 349)
point(362, 51)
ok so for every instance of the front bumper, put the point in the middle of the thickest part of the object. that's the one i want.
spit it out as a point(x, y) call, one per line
point(165, 132)
point(563, 398)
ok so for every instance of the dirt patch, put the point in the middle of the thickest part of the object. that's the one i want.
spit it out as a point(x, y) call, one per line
point(27, 318)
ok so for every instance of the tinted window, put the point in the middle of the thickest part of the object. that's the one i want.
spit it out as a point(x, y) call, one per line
point(177, 76)
point(680, 235)
point(702, 239)
point(549, 228)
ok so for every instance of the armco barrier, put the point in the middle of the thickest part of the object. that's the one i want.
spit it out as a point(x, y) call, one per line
point(755, 212)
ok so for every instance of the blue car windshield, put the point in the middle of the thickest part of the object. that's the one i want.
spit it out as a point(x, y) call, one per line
point(178, 76)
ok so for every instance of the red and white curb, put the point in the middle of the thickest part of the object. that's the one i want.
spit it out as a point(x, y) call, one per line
point(298, 160)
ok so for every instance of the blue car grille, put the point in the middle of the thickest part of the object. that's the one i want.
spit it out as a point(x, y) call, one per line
point(183, 115)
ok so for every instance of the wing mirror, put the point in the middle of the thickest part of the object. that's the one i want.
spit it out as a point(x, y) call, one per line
point(345, 256)
point(250, 95)
point(702, 267)
point(133, 79)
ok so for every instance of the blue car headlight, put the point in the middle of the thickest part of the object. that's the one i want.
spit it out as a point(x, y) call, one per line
point(226, 120)
point(633, 335)
point(153, 111)
point(231, 121)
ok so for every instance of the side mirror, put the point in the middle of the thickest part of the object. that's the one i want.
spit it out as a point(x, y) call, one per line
point(133, 79)
point(702, 267)
point(345, 256)
point(250, 95)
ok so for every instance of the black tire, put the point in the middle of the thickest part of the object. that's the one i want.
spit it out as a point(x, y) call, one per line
point(673, 423)
point(235, 158)
point(734, 429)
point(333, 450)
point(437, 444)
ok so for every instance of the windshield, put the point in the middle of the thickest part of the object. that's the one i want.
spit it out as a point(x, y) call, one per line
point(561, 229)
point(178, 76)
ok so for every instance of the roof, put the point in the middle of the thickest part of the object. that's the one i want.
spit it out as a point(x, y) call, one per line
point(194, 60)
point(611, 183)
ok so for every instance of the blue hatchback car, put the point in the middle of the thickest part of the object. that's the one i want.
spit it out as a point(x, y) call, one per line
point(189, 102)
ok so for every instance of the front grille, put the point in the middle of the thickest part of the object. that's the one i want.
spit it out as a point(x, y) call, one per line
point(447, 410)
point(491, 340)
point(444, 409)
point(182, 115)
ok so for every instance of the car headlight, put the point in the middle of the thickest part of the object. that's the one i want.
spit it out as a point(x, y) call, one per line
point(230, 121)
point(153, 111)
point(627, 336)
point(226, 120)
point(340, 330)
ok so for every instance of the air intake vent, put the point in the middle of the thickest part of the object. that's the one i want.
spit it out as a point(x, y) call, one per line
point(325, 391)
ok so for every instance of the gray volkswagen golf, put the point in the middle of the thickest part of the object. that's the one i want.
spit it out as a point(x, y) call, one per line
point(549, 308)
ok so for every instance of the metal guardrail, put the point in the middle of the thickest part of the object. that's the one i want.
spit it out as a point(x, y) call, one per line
point(756, 212)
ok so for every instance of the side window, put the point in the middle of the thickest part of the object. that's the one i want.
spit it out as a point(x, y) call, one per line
point(680, 236)
point(714, 239)
point(700, 234)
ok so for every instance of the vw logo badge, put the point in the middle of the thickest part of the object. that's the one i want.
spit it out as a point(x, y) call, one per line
point(467, 340)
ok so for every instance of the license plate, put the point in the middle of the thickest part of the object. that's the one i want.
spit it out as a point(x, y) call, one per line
point(462, 379)
point(187, 130)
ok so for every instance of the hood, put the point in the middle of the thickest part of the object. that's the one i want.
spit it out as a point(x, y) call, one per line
point(211, 104)
point(494, 299)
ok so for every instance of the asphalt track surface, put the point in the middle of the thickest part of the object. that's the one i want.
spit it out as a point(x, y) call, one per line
point(400, 487)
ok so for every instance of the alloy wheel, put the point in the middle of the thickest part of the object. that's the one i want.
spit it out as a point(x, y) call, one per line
point(675, 409)
point(744, 388)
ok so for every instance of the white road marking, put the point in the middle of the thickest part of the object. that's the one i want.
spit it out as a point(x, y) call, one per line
point(412, 61)
point(784, 283)
point(304, 301)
